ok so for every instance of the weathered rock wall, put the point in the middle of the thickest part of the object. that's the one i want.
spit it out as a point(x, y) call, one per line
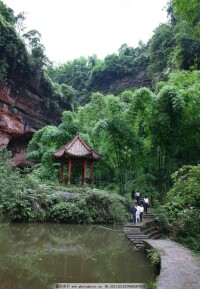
point(131, 82)
point(22, 113)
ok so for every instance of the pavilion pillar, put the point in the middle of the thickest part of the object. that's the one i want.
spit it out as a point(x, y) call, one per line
point(84, 172)
point(61, 173)
point(91, 174)
point(69, 168)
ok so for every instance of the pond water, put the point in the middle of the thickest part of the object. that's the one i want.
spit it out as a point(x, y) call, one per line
point(33, 256)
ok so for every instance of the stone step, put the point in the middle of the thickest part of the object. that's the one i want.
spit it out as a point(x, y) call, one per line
point(149, 223)
point(135, 241)
point(132, 230)
point(146, 231)
point(135, 234)
point(131, 226)
point(153, 233)
point(139, 237)
point(137, 245)
point(158, 236)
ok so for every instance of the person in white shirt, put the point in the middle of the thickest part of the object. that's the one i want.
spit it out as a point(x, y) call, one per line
point(141, 213)
point(138, 214)
point(146, 204)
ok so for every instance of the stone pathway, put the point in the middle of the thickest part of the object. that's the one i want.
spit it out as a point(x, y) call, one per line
point(180, 268)
point(136, 236)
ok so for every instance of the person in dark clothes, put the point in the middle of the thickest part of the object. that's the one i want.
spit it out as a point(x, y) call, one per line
point(137, 196)
point(146, 204)
point(133, 194)
point(141, 201)
point(133, 214)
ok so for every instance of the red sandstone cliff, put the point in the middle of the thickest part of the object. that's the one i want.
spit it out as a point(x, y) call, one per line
point(22, 113)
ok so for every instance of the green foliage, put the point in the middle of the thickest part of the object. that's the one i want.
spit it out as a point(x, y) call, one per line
point(179, 217)
point(173, 46)
point(162, 220)
point(14, 58)
point(92, 207)
point(10, 182)
point(18, 210)
point(24, 199)
point(189, 10)
point(7, 13)
point(68, 93)
point(160, 47)
point(67, 213)
point(23, 61)
point(74, 74)
point(174, 125)
point(142, 141)
point(154, 284)
point(154, 257)
point(186, 189)
point(128, 62)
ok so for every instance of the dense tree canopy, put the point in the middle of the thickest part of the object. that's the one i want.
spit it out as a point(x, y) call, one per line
point(142, 142)
point(189, 10)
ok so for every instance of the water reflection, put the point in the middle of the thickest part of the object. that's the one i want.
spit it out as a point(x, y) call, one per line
point(34, 255)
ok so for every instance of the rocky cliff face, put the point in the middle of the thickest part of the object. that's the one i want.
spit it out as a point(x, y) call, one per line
point(21, 114)
point(131, 82)
point(119, 85)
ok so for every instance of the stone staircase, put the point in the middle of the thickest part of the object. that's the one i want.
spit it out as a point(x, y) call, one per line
point(134, 234)
point(141, 231)
point(150, 229)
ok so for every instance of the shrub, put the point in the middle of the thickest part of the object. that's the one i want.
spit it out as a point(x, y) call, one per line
point(92, 207)
point(18, 210)
point(179, 218)
point(162, 220)
point(153, 256)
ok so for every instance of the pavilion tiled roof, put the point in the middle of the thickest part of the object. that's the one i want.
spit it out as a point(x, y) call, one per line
point(76, 148)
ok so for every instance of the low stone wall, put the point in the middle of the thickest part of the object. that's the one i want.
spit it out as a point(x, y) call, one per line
point(180, 268)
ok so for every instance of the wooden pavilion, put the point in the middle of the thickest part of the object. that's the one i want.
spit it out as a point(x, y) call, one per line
point(76, 152)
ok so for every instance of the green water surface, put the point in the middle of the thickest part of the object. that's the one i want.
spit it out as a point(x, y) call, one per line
point(33, 256)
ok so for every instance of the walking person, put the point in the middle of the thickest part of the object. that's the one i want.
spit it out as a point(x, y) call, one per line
point(133, 214)
point(146, 204)
point(137, 195)
point(141, 213)
point(133, 194)
point(141, 201)
point(138, 214)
